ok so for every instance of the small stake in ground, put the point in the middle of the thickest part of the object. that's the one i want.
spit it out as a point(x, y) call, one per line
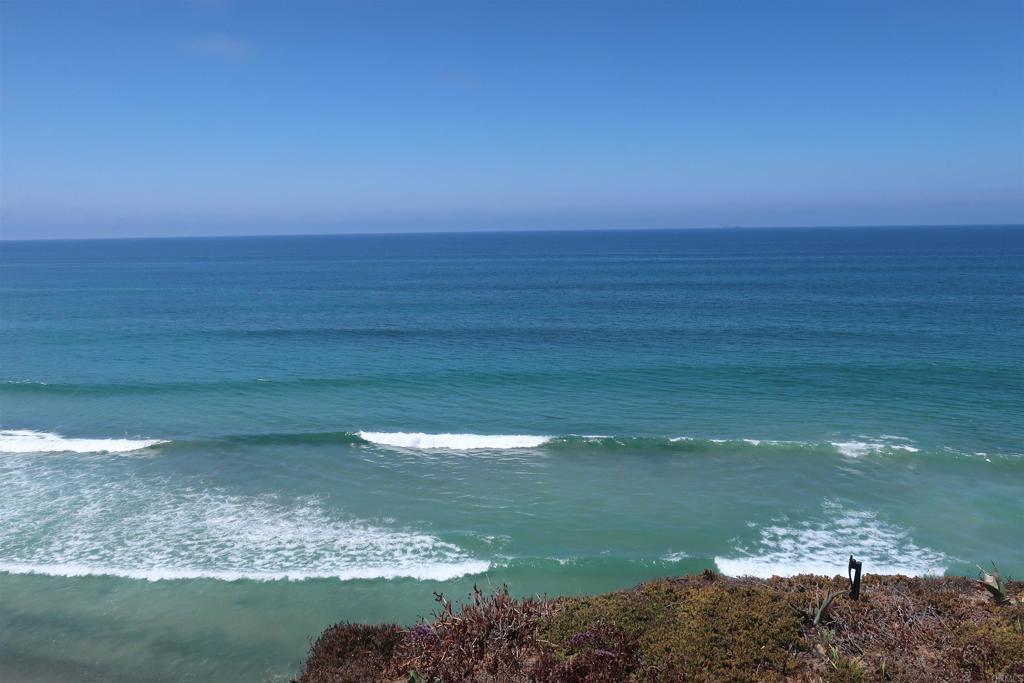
point(853, 571)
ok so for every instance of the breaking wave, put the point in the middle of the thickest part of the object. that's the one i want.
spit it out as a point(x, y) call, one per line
point(867, 445)
point(455, 442)
point(82, 523)
point(28, 441)
point(785, 548)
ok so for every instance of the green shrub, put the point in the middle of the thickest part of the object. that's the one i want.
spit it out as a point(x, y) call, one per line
point(718, 632)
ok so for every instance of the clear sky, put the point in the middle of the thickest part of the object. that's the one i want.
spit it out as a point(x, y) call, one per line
point(218, 117)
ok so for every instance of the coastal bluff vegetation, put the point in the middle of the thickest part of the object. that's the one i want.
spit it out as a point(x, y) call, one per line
point(699, 628)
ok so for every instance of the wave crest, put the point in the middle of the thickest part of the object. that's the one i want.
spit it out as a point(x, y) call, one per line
point(866, 445)
point(28, 441)
point(437, 571)
point(456, 442)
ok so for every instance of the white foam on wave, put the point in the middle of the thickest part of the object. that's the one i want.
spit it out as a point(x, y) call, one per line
point(86, 522)
point(749, 442)
point(824, 546)
point(675, 557)
point(438, 572)
point(870, 445)
point(28, 441)
point(853, 448)
point(455, 442)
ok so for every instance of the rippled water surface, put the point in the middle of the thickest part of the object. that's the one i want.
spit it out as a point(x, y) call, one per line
point(210, 449)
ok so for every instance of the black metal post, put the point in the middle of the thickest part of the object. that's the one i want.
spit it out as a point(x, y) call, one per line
point(854, 568)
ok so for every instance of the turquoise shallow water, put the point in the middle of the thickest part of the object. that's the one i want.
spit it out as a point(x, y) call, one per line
point(213, 448)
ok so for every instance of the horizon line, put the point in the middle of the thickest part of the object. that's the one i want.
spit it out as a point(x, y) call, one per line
point(399, 233)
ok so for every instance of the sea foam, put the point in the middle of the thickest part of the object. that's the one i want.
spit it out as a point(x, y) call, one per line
point(862, 446)
point(28, 441)
point(425, 572)
point(84, 522)
point(824, 546)
point(456, 442)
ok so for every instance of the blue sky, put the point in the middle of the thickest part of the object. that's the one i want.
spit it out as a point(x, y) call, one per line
point(211, 117)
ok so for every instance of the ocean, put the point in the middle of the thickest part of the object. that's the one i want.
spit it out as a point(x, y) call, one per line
point(213, 448)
